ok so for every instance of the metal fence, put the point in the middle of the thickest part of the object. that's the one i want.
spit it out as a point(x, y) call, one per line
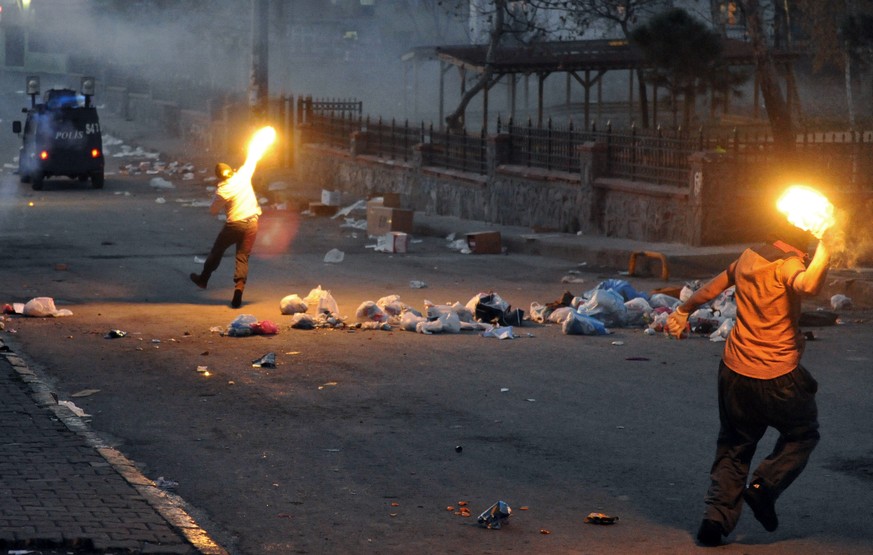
point(655, 156)
point(551, 148)
point(459, 151)
point(392, 141)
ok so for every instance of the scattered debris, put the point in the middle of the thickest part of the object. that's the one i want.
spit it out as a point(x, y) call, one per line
point(266, 361)
point(495, 516)
point(600, 518)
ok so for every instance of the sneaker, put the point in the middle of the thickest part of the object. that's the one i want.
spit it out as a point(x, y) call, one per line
point(762, 504)
point(710, 533)
point(198, 281)
point(236, 302)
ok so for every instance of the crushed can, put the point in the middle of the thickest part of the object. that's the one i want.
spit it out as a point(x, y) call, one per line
point(495, 516)
point(600, 518)
point(266, 361)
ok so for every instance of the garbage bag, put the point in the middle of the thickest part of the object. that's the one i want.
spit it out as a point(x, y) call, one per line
point(41, 307)
point(264, 327)
point(723, 331)
point(580, 324)
point(499, 332)
point(725, 304)
point(560, 314)
point(368, 311)
point(661, 300)
point(242, 325)
point(538, 312)
point(409, 320)
point(491, 308)
point(623, 288)
point(688, 289)
point(841, 302)
point(638, 311)
point(322, 300)
point(302, 321)
point(391, 305)
point(607, 306)
point(292, 304)
point(704, 320)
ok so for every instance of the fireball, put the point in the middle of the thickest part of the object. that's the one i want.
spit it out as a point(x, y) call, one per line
point(260, 142)
point(806, 208)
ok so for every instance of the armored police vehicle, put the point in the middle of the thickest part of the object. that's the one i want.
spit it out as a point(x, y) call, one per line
point(61, 136)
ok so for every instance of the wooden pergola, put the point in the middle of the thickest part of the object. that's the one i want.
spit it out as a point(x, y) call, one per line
point(586, 62)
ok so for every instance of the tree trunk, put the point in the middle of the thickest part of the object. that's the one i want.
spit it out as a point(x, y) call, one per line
point(644, 99)
point(455, 120)
point(777, 108)
point(849, 99)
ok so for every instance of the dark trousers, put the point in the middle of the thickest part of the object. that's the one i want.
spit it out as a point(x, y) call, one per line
point(242, 234)
point(747, 407)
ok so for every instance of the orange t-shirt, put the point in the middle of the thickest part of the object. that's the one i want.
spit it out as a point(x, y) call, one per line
point(766, 341)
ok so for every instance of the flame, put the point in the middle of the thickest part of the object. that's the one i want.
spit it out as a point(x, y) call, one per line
point(807, 209)
point(260, 142)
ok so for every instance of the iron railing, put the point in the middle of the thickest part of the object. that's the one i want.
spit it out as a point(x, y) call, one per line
point(458, 151)
point(656, 156)
point(392, 141)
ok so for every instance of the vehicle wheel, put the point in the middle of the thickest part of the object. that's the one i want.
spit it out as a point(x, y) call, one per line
point(97, 180)
point(37, 181)
point(25, 178)
point(82, 178)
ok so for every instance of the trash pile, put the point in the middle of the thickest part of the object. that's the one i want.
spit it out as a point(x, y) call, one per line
point(614, 303)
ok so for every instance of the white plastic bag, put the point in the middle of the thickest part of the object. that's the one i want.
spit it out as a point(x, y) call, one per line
point(322, 300)
point(292, 304)
point(638, 311)
point(41, 307)
point(368, 311)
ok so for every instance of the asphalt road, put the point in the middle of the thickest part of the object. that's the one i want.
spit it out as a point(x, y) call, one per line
point(361, 441)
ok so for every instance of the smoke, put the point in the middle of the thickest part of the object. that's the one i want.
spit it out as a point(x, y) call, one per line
point(851, 239)
point(193, 48)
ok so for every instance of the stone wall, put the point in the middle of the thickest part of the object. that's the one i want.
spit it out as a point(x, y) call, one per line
point(703, 213)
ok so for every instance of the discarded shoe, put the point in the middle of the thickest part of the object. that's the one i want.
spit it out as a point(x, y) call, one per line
point(710, 533)
point(198, 281)
point(759, 499)
point(236, 302)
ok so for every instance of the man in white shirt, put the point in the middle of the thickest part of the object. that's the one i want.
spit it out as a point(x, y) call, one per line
point(236, 195)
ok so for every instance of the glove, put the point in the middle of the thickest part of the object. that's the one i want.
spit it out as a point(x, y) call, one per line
point(677, 323)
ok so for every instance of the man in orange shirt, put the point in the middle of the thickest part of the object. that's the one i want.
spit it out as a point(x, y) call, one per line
point(236, 195)
point(761, 382)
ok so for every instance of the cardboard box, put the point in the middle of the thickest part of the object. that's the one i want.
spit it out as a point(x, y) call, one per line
point(391, 200)
point(484, 242)
point(331, 198)
point(396, 241)
point(383, 219)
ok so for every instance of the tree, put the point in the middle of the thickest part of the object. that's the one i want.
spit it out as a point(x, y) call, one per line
point(507, 19)
point(622, 13)
point(778, 112)
point(685, 53)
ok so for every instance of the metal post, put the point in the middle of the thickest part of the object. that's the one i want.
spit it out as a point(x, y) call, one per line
point(259, 90)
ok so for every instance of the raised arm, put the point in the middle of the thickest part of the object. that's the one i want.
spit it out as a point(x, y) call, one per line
point(810, 281)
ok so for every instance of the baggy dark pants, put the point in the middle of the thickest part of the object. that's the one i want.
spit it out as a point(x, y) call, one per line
point(242, 234)
point(747, 407)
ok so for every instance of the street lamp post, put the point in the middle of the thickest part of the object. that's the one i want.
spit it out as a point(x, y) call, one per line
point(259, 87)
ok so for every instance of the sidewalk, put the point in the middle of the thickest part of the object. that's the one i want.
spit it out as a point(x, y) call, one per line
point(63, 490)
